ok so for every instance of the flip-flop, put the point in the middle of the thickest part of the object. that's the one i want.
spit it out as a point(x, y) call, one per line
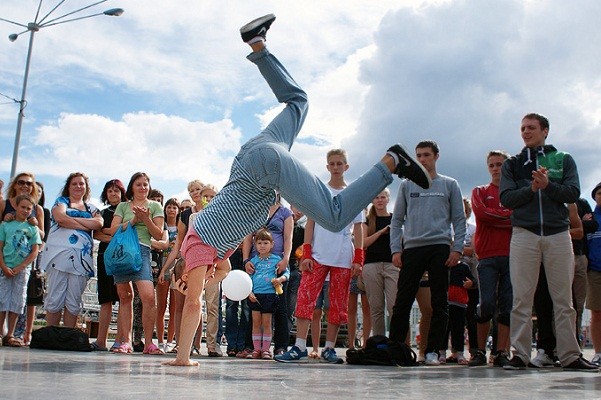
point(96, 347)
point(115, 346)
point(153, 350)
point(124, 348)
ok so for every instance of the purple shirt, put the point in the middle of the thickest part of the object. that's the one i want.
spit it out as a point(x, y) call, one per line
point(276, 226)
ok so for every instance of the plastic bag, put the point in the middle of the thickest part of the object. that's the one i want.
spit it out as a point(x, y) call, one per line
point(123, 255)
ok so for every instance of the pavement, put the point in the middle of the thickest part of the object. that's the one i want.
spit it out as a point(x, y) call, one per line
point(44, 374)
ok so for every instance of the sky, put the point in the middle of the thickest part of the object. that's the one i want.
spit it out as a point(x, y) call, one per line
point(166, 89)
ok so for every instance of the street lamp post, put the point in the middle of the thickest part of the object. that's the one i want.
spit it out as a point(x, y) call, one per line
point(32, 28)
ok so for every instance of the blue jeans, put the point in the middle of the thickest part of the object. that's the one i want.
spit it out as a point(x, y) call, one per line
point(267, 158)
point(237, 314)
point(495, 289)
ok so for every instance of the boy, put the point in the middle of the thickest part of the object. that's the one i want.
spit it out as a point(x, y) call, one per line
point(264, 297)
point(19, 245)
point(323, 252)
point(264, 165)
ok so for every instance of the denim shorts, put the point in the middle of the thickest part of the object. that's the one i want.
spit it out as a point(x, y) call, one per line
point(144, 274)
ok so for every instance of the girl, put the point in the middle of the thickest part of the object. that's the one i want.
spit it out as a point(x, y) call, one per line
point(263, 298)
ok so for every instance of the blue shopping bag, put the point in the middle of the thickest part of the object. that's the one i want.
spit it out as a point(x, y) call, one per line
point(123, 255)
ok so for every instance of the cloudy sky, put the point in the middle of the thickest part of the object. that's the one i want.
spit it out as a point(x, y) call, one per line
point(166, 89)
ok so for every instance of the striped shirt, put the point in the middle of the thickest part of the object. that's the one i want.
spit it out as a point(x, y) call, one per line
point(240, 208)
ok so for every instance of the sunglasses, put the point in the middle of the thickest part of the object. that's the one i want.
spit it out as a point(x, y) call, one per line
point(24, 183)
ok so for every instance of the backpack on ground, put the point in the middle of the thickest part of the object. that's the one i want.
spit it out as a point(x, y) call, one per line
point(379, 350)
point(60, 338)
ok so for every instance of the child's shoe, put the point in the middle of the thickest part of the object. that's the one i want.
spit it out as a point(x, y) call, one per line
point(256, 354)
point(267, 355)
point(329, 355)
point(294, 355)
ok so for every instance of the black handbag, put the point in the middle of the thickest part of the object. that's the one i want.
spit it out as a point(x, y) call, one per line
point(35, 285)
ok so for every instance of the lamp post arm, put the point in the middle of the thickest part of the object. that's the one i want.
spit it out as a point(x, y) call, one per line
point(22, 103)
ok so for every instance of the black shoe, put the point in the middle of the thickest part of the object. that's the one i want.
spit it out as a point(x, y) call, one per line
point(138, 347)
point(515, 363)
point(478, 359)
point(257, 27)
point(501, 359)
point(409, 168)
point(581, 365)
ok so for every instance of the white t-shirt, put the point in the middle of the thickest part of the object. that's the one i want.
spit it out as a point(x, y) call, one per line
point(335, 249)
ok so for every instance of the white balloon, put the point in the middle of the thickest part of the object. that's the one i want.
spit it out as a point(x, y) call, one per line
point(237, 285)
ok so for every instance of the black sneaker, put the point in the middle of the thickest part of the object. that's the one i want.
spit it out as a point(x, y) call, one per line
point(501, 359)
point(581, 365)
point(515, 363)
point(478, 359)
point(409, 168)
point(257, 27)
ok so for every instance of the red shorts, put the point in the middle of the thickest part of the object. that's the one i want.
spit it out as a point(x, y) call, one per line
point(310, 287)
point(197, 253)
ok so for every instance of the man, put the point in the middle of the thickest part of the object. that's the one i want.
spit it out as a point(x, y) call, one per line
point(264, 165)
point(423, 219)
point(537, 184)
point(491, 242)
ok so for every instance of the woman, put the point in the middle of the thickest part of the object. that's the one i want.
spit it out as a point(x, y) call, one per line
point(147, 217)
point(67, 257)
point(163, 290)
point(32, 299)
point(25, 183)
point(281, 226)
point(112, 194)
point(379, 274)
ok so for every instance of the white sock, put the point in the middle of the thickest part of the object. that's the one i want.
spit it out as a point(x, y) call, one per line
point(395, 156)
point(331, 345)
point(301, 344)
point(255, 40)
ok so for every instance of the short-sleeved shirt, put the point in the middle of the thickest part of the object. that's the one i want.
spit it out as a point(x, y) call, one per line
point(124, 211)
point(335, 248)
point(19, 238)
point(265, 271)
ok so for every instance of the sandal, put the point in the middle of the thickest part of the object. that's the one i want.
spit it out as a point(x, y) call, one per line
point(174, 350)
point(193, 350)
point(153, 350)
point(12, 341)
point(115, 346)
point(123, 348)
point(96, 347)
point(314, 355)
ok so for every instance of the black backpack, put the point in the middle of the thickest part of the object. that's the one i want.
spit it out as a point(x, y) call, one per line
point(379, 350)
point(60, 338)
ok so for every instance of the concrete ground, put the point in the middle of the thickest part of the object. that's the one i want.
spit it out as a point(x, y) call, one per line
point(42, 374)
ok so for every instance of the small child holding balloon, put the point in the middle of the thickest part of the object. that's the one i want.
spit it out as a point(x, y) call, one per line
point(264, 296)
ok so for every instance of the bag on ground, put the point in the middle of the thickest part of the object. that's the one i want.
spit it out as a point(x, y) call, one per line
point(60, 338)
point(379, 350)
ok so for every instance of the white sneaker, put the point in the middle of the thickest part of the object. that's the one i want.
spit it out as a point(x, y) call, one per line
point(432, 359)
point(542, 360)
point(596, 359)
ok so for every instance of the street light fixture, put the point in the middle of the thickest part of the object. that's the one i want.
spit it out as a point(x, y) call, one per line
point(33, 27)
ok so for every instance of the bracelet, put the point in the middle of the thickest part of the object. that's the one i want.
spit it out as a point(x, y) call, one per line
point(359, 257)
point(246, 261)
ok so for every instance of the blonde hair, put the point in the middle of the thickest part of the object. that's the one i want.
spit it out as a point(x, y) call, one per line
point(193, 183)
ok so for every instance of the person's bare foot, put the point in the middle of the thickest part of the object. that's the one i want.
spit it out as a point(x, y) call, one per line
point(181, 363)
